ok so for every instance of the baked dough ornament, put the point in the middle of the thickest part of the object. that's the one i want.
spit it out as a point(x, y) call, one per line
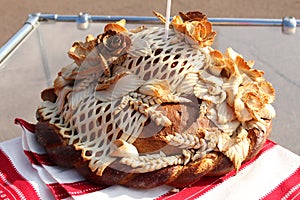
point(141, 110)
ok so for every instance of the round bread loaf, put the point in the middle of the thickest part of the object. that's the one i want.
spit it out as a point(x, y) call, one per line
point(141, 110)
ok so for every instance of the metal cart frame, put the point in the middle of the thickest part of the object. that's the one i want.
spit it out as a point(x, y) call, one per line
point(288, 24)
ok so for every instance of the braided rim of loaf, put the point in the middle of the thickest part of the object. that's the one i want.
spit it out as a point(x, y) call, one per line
point(212, 164)
point(178, 174)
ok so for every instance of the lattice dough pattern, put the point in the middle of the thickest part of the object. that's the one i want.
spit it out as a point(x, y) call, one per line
point(92, 128)
point(169, 59)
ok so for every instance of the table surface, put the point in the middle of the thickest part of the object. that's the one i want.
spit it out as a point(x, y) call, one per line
point(34, 64)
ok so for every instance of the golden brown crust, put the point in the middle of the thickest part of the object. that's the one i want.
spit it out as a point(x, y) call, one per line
point(258, 139)
point(194, 171)
point(152, 138)
point(222, 167)
point(48, 95)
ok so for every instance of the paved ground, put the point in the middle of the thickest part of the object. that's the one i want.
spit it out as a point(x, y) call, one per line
point(15, 12)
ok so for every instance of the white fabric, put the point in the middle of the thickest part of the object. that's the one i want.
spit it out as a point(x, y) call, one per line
point(262, 176)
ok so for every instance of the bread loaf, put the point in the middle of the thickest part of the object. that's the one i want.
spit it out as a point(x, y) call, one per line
point(141, 110)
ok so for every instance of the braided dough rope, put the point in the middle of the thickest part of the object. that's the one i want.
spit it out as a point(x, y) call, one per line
point(140, 110)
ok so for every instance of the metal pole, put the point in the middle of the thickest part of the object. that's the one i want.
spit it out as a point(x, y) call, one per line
point(140, 19)
point(16, 39)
